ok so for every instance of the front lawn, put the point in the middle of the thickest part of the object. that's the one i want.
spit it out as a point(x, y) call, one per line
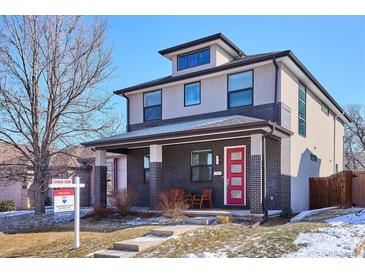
point(235, 240)
point(57, 241)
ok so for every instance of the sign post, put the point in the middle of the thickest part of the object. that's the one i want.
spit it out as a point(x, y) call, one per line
point(66, 198)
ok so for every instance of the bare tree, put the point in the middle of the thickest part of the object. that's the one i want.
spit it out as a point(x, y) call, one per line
point(355, 138)
point(51, 68)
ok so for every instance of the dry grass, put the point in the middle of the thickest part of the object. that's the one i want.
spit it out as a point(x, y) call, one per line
point(57, 241)
point(360, 249)
point(236, 241)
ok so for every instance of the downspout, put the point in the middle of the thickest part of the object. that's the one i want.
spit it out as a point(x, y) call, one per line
point(276, 90)
point(127, 99)
point(335, 116)
point(263, 172)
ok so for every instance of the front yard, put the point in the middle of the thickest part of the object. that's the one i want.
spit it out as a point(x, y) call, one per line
point(57, 241)
point(336, 233)
point(234, 240)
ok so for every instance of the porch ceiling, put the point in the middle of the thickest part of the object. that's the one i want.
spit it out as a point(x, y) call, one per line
point(193, 131)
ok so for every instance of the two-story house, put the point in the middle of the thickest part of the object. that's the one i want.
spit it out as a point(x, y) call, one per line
point(253, 128)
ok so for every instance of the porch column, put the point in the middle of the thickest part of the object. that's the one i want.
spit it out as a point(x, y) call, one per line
point(256, 209)
point(155, 173)
point(100, 178)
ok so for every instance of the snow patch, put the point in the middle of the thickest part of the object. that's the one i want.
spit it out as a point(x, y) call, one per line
point(339, 240)
point(146, 221)
point(358, 218)
point(207, 255)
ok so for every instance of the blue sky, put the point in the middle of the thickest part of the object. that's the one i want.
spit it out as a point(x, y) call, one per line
point(331, 47)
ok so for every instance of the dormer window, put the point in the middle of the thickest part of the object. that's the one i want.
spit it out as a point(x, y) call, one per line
point(193, 59)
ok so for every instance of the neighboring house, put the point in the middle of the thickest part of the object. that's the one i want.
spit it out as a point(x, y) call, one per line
point(252, 127)
point(16, 182)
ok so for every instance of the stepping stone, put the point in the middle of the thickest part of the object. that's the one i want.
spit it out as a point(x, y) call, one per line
point(168, 231)
point(111, 253)
point(138, 244)
point(200, 221)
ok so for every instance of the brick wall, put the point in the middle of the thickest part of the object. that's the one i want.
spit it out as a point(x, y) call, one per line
point(273, 194)
point(176, 171)
point(255, 184)
point(100, 184)
point(135, 175)
point(85, 178)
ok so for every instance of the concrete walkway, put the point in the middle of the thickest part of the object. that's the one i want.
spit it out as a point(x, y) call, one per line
point(156, 236)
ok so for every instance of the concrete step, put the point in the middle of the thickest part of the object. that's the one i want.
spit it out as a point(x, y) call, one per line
point(138, 244)
point(200, 221)
point(168, 231)
point(112, 253)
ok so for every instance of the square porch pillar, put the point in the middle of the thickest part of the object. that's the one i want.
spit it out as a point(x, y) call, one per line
point(256, 202)
point(100, 178)
point(155, 173)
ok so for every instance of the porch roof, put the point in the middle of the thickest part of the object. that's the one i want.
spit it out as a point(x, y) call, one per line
point(218, 125)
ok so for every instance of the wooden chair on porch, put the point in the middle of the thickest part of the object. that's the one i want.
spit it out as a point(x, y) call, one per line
point(206, 196)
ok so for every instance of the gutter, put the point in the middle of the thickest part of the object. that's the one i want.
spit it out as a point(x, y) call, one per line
point(127, 99)
point(263, 172)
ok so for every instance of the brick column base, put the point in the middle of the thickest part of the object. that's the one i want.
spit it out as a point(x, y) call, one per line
point(255, 186)
point(155, 182)
point(100, 185)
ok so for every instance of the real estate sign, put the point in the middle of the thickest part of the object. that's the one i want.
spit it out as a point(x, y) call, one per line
point(64, 200)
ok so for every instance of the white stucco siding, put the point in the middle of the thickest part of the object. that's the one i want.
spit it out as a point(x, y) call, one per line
point(264, 84)
point(213, 98)
point(319, 140)
point(122, 172)
point(213, 94)
point(222, 57)
point(136, 108)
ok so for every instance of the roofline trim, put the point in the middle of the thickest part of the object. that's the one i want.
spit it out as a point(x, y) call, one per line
point(202, 41)
point(175, 134)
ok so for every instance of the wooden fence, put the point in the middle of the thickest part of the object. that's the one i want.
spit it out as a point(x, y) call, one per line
point(358, 189)
point(335, 190)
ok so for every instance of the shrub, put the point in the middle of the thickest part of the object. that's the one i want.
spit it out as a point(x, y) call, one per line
point(123, 199)
point(170, 206)
point(221, 219)
point(101, 212)
point(7, 205)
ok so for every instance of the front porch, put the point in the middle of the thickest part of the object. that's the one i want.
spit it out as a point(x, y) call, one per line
point(239, 158)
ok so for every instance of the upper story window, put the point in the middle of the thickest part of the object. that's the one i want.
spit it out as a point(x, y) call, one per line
point(201, 165)
point(192, 94)
point(302, 110)
point(325, 109)
point(152, 105)
point(193, 59)
point(240, 89)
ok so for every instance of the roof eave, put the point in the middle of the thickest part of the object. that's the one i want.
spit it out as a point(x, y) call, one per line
point(202, 41)
point(259, 124)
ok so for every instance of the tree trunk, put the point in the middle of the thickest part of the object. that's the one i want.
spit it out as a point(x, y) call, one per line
point(40, 181)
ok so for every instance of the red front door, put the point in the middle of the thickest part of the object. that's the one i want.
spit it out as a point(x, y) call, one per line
point(235, 179)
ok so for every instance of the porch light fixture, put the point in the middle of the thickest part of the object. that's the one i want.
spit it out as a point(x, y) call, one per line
point(217, 159)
